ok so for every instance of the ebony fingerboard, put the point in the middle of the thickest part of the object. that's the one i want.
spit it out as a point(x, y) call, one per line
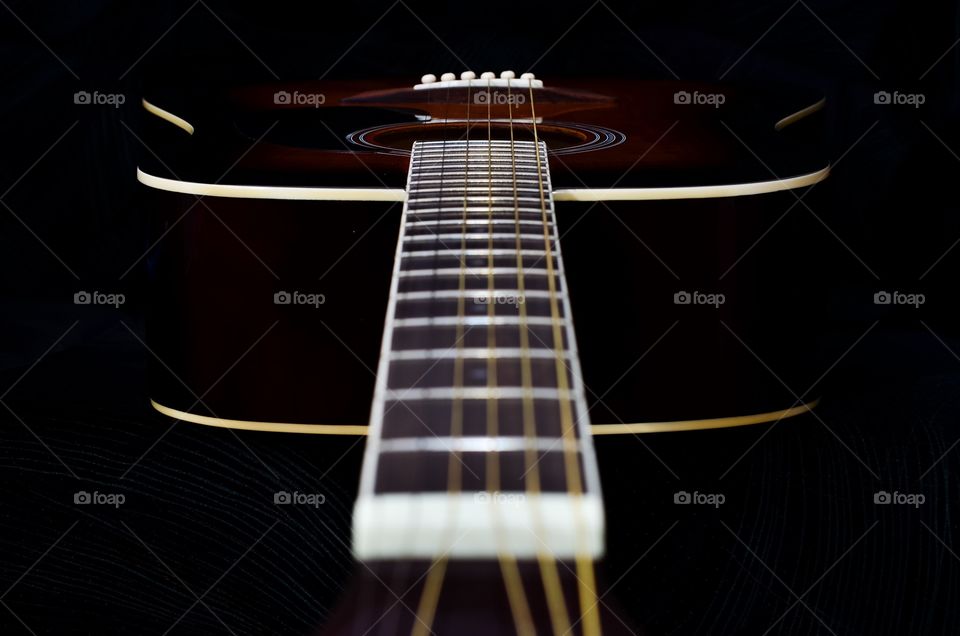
point(479, 385)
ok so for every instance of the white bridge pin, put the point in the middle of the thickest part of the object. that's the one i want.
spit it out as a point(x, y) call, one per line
point(447, 77)
point(468, 75)
point(488, 75)
point(429, 78)
point(507, 75)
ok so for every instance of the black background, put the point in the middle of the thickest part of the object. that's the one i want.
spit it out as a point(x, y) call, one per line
point(199, 518)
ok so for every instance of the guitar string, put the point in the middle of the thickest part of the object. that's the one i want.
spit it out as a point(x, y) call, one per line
point(433, 587)
point(549, 574)
point(405, 565)
point(510, 571)
point(586, 579)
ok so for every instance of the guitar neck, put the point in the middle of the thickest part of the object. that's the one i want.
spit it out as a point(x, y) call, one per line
point(479, 442)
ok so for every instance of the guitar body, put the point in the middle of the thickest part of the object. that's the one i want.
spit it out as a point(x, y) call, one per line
point(662, 194)
point(479, 509)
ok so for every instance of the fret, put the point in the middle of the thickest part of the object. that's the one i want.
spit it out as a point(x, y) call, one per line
point(483, 211)
point(477, 169)
point(476, 352)
point(446, 337)
point(472, 252)
point(443, 308)
point(499, 159)
point(440, 261)
point(506, 229)
point(519, 148)
point(474, 321)
point(477, 239)
point(527, 243)
point(476, 444)
point(477, 212)
point(476, 393)
point(482, 294)
point(473, 281)
point(492, 147)
point(492, 172)
point(534, 306)
point(475, 222)
point(498, 236)
point(461, 171)
point(498, 192)
point(474, 232)
point(418, 203)
point(484, 179)
point(502, 153)
point(472, 271)
point(427, 145)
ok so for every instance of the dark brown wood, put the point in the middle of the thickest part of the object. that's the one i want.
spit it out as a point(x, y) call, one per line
point(626, 260)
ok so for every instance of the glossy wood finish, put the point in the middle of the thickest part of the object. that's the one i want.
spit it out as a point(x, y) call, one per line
point(626, 260)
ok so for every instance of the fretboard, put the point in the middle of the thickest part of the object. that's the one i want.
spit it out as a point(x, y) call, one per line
point(479, 440)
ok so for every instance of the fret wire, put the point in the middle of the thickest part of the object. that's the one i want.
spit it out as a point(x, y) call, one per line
point(432, 215)
point(488, 352)
point(490, 221)
point(479, 393)
point(496, 252)
point(492, 444)
point(402, 323)
point(521, 292)
point(469, 179)
point(420, 238)
point(478, 271)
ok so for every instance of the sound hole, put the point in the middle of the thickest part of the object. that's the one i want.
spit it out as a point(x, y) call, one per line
point(561, 138)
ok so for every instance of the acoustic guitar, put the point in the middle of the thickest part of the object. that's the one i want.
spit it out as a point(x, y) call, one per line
point(553, 263)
